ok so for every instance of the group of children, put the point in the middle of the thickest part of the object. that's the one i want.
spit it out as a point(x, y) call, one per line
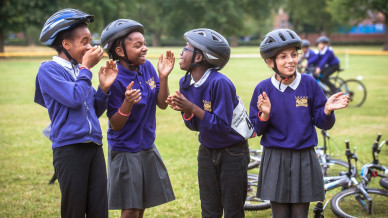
point(284, 110)
point(322, 63)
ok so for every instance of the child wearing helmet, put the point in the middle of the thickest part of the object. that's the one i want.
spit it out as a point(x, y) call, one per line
point(284, 110)
point(310, 56)
point(328, 63)
point(64, 87)
point(137, 176)
point(208, 103)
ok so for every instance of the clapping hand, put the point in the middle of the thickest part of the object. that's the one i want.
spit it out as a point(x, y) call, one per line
point(107, 75)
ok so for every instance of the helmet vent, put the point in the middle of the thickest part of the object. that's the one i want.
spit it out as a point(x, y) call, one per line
point(269, 40)
point(282, 37)
point(216, 38)
point(292, 36)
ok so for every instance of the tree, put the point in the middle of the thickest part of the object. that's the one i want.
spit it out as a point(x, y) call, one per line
point(310, 18)
point(350, 11)
point(22, 14)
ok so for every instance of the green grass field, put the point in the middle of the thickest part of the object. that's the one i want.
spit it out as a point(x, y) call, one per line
point(26, 155)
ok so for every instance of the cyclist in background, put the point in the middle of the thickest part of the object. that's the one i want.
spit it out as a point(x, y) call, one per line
point(310, 56)
point(328, 63)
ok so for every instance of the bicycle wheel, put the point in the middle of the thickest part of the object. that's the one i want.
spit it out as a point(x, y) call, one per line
point(356, 91)
point(338, 82)
point(252, 202)
point(352, 203)
point(335, 167)
point(384, 183)
point(255, 158)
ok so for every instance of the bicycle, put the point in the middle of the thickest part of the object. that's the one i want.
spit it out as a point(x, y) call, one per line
point(329, 165)
point(361, 200)
point(252, 202)
point(255, 158)
point(353, 87)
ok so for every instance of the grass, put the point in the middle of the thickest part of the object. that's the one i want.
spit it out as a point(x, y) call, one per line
point(26, 157)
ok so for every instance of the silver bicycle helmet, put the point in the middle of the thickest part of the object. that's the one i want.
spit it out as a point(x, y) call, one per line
point(277, 40)
point(60, 21)
point(323, 39)
point(305, 43)
point(118, 29)
point(213, 45)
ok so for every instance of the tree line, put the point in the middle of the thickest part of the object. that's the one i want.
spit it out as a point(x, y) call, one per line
point(169, 19)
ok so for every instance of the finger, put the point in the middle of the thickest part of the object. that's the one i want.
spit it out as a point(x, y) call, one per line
point(265, 97)
point(130, 85)
point(161, 58)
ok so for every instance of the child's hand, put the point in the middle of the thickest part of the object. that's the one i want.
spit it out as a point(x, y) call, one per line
point(132, 96)
point(92, 57)
point(335, 102)
point(166, 65)
point(107, 75)
point(264, 105)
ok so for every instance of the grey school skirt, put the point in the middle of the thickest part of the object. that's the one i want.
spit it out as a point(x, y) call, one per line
point(137, 180)
point(290, 176)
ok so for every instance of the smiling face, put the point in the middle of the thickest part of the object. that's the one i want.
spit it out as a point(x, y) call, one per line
point(79, 44)
point(136, 48)
point(286, 61)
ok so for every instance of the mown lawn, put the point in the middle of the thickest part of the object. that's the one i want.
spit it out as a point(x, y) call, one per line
point(26, 157)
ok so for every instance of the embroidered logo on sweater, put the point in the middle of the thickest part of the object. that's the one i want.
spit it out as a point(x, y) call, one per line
point(151, 83)
point(301, 101)
point(207, 105)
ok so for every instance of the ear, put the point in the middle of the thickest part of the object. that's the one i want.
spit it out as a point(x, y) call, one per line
point(198, 58)
point(119, 51)
point(269, 62)
point(66, 44)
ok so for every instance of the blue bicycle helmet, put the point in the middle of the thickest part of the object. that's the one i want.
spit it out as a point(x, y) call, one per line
point(305, 43)
point(323, 39)
point(60, 21)
point(277, 40)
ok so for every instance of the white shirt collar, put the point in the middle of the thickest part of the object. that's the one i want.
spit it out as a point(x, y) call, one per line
point(202, 80)
point(283, 87)
point(67, 65)
point(324, 50)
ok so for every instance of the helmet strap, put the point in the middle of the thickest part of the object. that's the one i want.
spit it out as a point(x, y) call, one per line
point(275, 69)
point(73, 62)
point(192, 65)
point(131, 66)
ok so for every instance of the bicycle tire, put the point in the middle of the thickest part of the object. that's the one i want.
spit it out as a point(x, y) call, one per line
point(253, 203)
point(336, 167)
point(384, 183)
point(347, 203)
point(357, 92)
point(254, 159)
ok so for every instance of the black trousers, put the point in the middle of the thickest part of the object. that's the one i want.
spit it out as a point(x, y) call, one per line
point(222, 178)
point(326, 73)
point(81, 173)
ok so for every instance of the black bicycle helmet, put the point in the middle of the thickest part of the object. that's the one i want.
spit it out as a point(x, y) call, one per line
point(277, 40)
point(305, 43)
point(60, 21)
point(214, 46)
point(323, 39)
point(118, 29)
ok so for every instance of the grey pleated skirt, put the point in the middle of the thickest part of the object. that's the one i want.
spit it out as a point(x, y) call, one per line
point(290, 176)
point(137, 180)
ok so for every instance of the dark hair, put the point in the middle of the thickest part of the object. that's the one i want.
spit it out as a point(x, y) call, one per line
point(66, 34)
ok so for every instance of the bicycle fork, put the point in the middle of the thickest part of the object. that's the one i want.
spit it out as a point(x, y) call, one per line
point(364, 199)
